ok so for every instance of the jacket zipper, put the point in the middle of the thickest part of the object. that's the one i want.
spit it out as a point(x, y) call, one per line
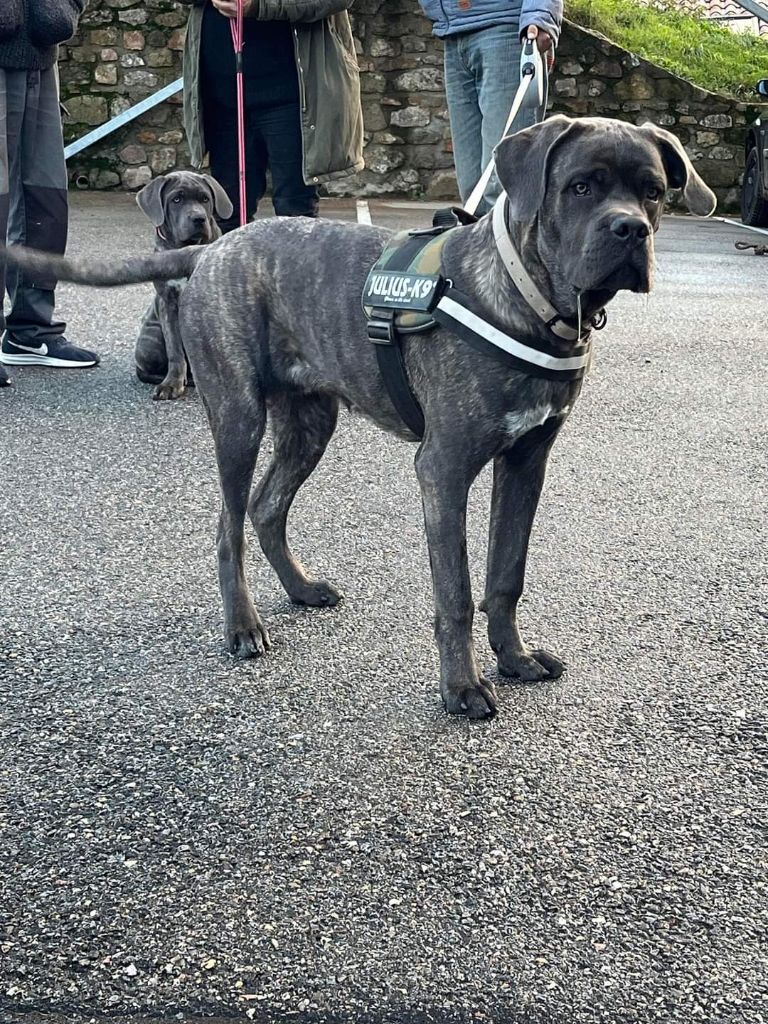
point(302, 104)
point(300, 71)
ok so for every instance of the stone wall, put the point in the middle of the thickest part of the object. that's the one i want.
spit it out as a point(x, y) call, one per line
point(126, 49)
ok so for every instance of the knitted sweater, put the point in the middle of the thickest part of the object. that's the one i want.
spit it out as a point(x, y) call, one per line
point(31, 29)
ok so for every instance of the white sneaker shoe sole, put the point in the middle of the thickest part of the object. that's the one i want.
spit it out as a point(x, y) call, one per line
point(30, 359)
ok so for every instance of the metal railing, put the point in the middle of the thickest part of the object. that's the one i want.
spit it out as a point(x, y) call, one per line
point(120, 119)
point(760, 11)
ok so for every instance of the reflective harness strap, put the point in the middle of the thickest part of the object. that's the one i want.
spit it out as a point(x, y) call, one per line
point(389, 354)
point(534, 357)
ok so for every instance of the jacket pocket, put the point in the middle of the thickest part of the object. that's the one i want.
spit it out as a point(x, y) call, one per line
point(10, 18)
point(52, 21)
point(341, 33)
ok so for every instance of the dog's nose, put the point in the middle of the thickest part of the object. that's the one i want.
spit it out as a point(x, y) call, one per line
point(630, 229)
point(198, 219)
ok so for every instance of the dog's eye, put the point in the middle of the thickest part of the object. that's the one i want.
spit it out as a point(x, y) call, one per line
point(654, 193)
point(581, 188)
point(176, 199)
point(205, 199)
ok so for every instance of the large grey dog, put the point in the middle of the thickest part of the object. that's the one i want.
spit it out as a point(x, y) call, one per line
point(272, 326)
point(182, 207)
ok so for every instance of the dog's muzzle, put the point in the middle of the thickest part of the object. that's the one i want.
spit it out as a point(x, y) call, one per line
point(617, 255)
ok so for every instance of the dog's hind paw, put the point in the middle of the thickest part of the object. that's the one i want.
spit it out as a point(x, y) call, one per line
point(531, 666)
point(248, 643)
point(478, 701)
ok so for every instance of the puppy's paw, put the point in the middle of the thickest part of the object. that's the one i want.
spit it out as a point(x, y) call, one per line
point(476, 700)
point(250, 642)
point(317, 594)
point(531, 666)
point(168, 390)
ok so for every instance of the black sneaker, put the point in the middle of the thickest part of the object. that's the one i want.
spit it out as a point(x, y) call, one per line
point(5, 380)
point(54, 351)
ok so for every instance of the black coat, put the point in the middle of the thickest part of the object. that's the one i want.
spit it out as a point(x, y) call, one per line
point(31, 29)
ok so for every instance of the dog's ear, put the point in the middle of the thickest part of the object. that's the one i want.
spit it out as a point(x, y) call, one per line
point(221, 201)
point(150, 201)
point(697, 195)
point(522, 160)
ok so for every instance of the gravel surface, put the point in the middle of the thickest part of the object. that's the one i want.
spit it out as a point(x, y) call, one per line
point(309, 837)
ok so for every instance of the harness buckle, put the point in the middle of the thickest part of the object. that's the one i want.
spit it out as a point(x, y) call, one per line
point(381, 327)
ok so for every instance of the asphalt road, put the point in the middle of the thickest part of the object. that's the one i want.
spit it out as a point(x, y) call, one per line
point(309, 837)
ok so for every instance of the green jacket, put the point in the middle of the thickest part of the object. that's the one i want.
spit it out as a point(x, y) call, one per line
point(329, 84)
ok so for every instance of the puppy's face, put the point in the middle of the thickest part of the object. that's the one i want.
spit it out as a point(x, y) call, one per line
point(594, 188)
point(189, 212)
point(183, 206)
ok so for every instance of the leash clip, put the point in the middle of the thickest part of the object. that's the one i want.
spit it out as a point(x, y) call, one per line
point(599, 320)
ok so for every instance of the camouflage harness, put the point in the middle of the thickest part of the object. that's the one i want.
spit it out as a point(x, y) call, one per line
point(407, 293)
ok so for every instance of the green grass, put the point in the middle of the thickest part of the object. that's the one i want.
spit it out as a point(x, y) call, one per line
point(711, 57)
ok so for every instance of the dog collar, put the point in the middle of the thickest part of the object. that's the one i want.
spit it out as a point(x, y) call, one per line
point(525, 284)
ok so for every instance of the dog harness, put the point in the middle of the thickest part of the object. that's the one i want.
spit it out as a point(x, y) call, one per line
point(407, 293)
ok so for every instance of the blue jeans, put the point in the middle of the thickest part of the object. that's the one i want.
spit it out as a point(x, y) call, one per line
point(482, 73)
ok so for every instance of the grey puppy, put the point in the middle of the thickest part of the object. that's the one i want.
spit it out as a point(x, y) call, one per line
point(183, 207)
point(272, 326)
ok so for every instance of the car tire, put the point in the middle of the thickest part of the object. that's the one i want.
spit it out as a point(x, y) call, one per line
point(754, 208)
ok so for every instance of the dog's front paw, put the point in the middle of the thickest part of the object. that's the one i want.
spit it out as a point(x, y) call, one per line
point(317, 594)
point(248, 642)
point(529, 665)
point(473, 700)
point(169, 389)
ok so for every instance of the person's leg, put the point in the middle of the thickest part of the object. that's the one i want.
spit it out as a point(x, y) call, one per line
point(220, 123)
point(38, 218)
point(494, 54)
point(464, 112)
point(39, 213)
point(280, 128)
point(4, 200)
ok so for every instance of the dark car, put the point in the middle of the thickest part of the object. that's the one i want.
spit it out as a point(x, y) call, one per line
point(754, 188)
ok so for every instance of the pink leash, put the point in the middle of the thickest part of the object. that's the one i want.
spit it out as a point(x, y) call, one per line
point(236, 27)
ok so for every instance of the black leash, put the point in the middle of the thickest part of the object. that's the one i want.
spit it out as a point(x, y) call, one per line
point(760, 250)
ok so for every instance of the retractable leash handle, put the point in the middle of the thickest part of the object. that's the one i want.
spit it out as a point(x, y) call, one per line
point(531, 74)
point(532, 64)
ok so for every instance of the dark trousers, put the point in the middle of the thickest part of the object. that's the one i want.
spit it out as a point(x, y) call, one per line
point(272, 141)
point(33, 194)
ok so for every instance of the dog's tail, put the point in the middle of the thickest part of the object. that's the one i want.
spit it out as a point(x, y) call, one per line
point(156, 266)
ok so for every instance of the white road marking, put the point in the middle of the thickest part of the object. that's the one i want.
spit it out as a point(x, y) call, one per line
point(738, 224)
point(363, 212)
